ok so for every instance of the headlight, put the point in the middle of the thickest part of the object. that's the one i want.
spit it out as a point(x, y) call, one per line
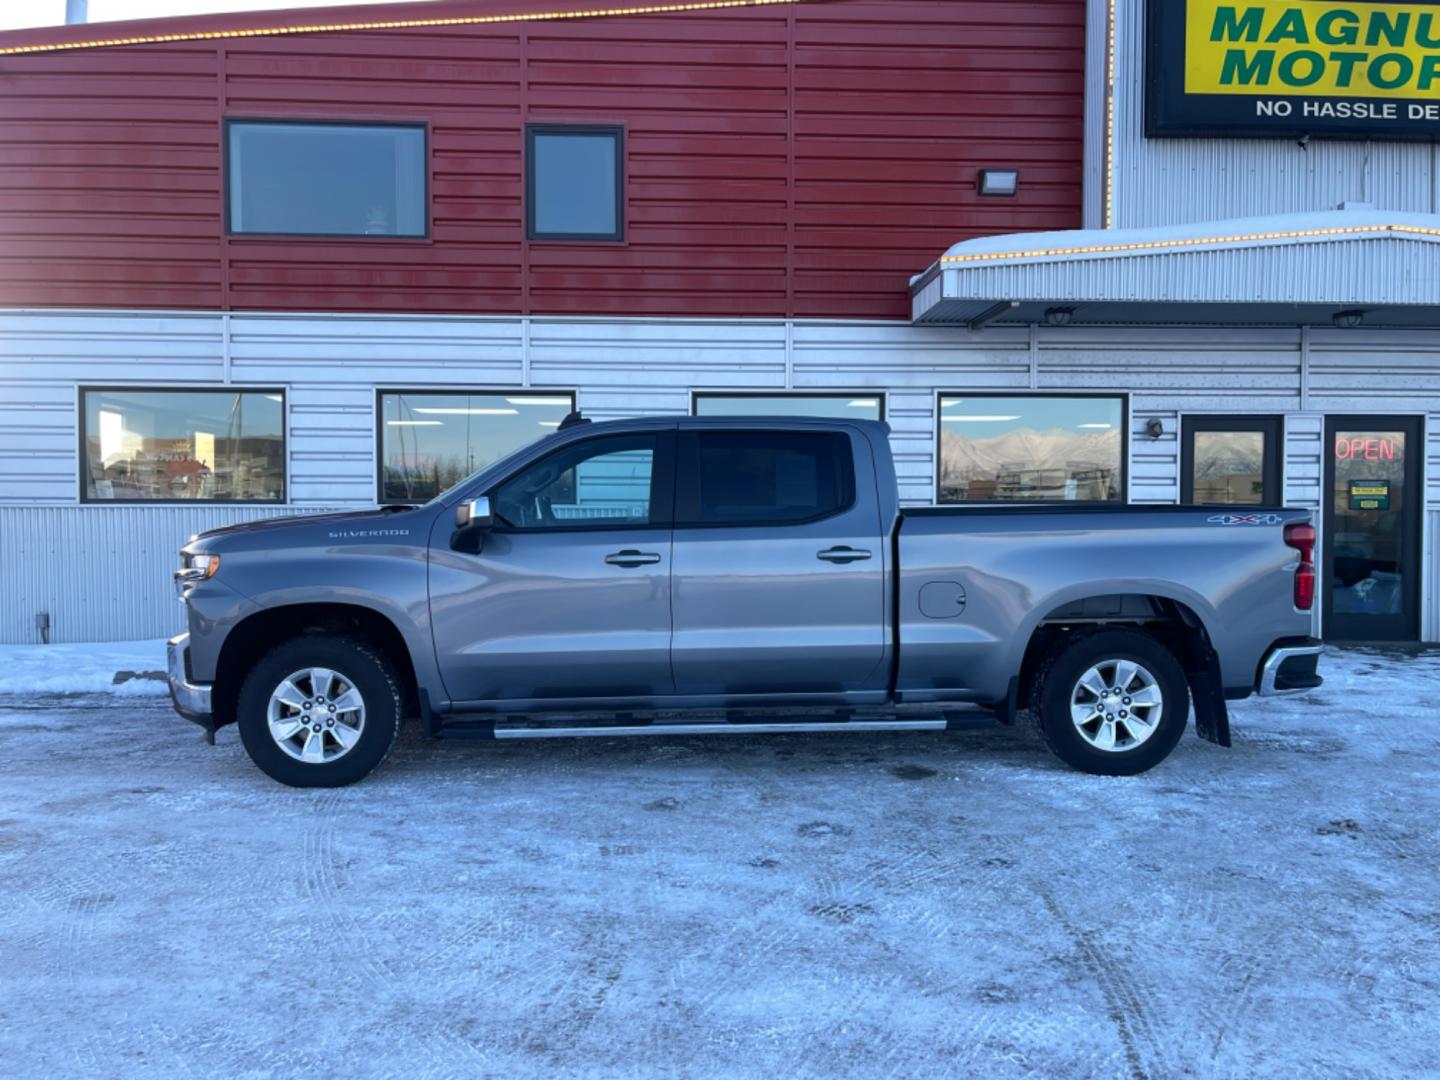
point(201, 566)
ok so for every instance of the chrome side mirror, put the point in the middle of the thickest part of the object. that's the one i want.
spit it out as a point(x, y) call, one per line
point(473, 520)
point(474, 514)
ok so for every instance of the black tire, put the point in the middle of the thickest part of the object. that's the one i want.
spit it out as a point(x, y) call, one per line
point(1057, 680)
point(360, 664)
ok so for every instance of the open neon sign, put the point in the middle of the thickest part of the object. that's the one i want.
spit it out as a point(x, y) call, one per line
point(1365, 448)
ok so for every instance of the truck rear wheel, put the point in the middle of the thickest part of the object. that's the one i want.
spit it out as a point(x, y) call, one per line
point(1112, 703)
point(320, 711)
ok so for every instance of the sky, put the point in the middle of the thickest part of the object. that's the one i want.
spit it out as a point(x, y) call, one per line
point(15, 14)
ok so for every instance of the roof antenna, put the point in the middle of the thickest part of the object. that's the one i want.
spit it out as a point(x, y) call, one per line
point(573, 420)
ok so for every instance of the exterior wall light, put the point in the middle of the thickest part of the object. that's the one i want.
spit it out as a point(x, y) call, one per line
point(1059, 316)
point(1348, 320)
point(999, 182)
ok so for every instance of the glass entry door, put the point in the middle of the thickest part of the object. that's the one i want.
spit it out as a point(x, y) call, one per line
point(1230, 461)
point(1372, 528)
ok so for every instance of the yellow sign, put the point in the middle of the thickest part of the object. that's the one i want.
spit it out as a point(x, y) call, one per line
point(1320, 48)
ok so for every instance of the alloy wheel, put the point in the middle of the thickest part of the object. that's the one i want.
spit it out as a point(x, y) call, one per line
point(1116, 705)
point(316, 715)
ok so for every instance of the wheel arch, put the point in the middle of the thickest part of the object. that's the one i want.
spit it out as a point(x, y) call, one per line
point(1171, 619)
point(261, 631)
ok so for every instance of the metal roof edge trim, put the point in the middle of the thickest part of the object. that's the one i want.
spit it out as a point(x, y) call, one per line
point(398, 24)
point(1144, 247)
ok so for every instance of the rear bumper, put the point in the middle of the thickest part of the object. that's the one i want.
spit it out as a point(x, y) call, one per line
point(191, 700)
point(1290, 668)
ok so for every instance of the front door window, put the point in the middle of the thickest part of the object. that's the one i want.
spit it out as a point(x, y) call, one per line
point(1372, 530)
point(600, 482)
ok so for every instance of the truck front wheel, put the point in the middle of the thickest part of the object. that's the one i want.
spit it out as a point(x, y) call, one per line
point(1112, 703)
point(320, 711)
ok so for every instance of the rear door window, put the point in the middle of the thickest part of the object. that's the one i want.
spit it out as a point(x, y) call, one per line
point(763, 477)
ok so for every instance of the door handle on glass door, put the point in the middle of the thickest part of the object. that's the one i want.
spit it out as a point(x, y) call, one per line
point(632, 558)
point(843, 555)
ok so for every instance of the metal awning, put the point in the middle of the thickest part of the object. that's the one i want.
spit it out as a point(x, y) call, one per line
point(1348, 266)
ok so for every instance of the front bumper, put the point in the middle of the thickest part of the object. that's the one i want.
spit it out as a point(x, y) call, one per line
point(192, 700)
point(1289, 668)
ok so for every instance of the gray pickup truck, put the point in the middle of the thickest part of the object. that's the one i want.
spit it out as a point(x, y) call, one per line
point(684, 576)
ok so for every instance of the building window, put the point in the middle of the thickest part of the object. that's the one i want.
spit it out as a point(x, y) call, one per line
point(574, 182)
point(1230, 461)
point(431, 440)
point(1031, 449)
point(143, 445)
point(296, 179)
point(856, 406)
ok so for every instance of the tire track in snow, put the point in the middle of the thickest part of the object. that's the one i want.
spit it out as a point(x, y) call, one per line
point(1126, 1004)
point(321, 885)
point(78, 897)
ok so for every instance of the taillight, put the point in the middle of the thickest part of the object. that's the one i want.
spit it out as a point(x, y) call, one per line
point(1302, 539)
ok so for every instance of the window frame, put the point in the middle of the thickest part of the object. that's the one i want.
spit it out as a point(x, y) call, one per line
point(827, 393)
point(662, 486)
point(381, 391)
point(1271, 428)
point(421, 125)
point(687, 465)
point(83, 463)
point(617, 133)
point(1083, 395)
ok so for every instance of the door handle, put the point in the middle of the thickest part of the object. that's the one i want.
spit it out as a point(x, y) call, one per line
point(843, 555)
point(632, 558)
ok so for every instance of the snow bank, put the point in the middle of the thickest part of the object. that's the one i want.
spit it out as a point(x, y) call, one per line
point(85, 668)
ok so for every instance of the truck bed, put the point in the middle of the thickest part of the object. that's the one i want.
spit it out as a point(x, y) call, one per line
point(974, 582)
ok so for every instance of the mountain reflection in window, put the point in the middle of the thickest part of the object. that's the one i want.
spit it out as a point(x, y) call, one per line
point(1031, 449)
point(1229, 468)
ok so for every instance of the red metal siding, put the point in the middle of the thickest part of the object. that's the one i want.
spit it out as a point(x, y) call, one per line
point(799, 159)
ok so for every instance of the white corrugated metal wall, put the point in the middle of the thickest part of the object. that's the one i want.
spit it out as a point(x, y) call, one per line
point(330, 366)
point(101, 573)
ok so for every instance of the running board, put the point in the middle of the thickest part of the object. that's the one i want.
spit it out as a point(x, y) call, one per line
point(798, 728)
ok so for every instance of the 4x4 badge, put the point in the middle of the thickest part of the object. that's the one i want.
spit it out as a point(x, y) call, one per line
point(1245, 519)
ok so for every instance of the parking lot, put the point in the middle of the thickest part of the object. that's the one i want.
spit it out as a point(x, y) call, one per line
point(894, 905)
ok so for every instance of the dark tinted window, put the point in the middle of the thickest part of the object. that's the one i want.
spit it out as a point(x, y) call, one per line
point(327, 179)
point(574, 183)
point(766, 477)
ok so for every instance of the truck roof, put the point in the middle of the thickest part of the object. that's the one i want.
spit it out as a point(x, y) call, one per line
point(778, 420)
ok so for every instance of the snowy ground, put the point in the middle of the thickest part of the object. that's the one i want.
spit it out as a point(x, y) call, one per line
point(107, 668)
point(827, 906)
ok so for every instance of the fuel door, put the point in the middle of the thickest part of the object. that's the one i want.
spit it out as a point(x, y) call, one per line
point(942, 599)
